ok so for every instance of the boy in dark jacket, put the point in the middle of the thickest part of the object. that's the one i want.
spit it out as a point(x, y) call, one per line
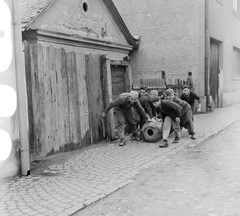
point(170, 113)
point(123, 105)
point(186, 112)
point(190, 97)
point(144, 99)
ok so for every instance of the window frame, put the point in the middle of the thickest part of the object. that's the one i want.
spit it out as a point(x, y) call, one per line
point(236, 63)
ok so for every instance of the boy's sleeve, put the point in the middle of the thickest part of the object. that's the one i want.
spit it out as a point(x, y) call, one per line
point(196, 96)
point(116, 102)
point(140, 109)
point(149, 109)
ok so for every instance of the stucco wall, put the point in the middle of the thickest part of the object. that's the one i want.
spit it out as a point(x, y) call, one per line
point(224, 26)
point(171, 37)
point(69, 17)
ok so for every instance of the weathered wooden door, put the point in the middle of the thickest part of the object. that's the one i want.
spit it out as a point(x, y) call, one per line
point(214, 68)
point(65, 99)
point(118, 74)
point(120, 83)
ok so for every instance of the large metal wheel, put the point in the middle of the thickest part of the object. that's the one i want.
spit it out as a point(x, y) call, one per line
point(152, 131)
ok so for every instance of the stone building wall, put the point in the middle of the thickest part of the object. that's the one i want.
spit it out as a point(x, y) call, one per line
point(171, 38)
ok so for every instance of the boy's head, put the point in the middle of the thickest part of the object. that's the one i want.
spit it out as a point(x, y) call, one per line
point(153, 93)
point(155, 100)
point(143, 90)
point(186, 90)
point(170, 94)
point(133, 96)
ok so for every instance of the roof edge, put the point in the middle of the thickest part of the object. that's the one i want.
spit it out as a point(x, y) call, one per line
point(28, 26)
point(60, 38)
point(134, 41)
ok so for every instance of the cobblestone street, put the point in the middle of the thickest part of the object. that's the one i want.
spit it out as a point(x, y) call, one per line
point(95, 172)
point(200, 181)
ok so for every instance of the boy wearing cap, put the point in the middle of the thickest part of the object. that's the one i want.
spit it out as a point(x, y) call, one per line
point(186, 112)
point(170, 113)
point(123, 105)
point(144, 100)
point(154, 93)
point(143, 91)
point(190, 97)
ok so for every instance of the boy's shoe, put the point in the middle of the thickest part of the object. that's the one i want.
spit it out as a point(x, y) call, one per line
point(141, 136)
point(136, 136)
point(164, 145)
point(193, 137)
point(122, 142)
point(176, 139)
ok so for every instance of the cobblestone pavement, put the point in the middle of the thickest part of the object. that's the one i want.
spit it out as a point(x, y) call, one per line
point(200, 181)
point(64, 188)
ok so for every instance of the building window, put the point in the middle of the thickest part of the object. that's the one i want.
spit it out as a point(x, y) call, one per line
point(236, 6)
point(84, 7)
point(236, 63)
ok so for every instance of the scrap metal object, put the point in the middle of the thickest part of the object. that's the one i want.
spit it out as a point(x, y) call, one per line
point(152, 131)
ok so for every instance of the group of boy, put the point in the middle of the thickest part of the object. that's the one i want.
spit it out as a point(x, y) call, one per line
point(138, 108)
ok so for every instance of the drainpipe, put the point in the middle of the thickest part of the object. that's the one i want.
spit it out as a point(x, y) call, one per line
point(21, 90)
point(207, 56)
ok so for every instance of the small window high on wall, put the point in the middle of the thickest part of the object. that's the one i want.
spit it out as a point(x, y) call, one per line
point(236, 63)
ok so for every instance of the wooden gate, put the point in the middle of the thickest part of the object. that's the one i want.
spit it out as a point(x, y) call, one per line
point(163, 84)
point(65, 99)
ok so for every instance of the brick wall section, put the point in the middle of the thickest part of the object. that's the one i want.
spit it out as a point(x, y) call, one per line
point(172, 37)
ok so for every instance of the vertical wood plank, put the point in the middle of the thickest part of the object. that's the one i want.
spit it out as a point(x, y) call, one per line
point(28, 69)
point(73, 96)
point(40, 111)
point(108, 97)
point(88, 79)
point(35, 99)
point(60, 99)
point(53, 99)
point(65, 100)
point(83, 108)
point(94, 96)
point(47, 124)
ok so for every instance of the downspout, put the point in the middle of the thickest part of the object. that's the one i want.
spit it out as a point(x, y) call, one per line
point(207, 56)
point(21, 90)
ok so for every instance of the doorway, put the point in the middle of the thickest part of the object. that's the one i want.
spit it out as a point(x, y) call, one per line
point(118, 80)
point(214, 71)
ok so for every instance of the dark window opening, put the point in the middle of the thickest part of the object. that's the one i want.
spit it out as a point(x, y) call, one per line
point(85, 7)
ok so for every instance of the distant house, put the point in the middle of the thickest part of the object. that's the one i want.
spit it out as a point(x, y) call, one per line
point(76, 60)
point(202, 37)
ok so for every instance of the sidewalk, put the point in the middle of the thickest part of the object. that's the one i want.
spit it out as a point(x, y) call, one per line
point(66, 187)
